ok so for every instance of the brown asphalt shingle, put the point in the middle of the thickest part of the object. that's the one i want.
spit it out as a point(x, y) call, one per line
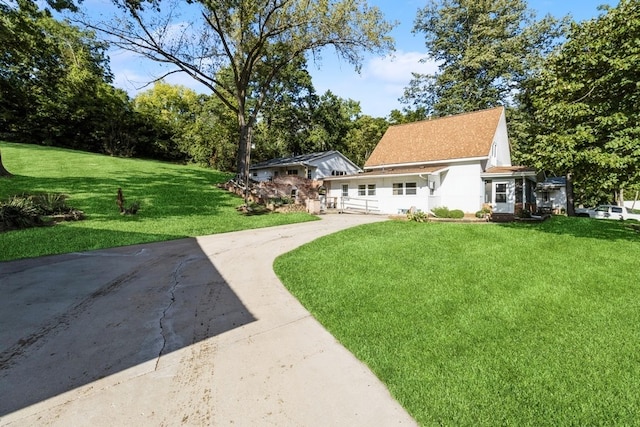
point(454, 137)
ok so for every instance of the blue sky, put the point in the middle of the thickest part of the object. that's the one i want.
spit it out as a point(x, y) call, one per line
point(382, 80)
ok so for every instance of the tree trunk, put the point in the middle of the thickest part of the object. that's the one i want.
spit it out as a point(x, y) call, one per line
point(244, 157)
point(571, 210)
point(4, 172)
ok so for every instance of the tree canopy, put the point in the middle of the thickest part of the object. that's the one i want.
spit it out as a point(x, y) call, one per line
point(484, 49)
point(584, 106)
point(255, 39)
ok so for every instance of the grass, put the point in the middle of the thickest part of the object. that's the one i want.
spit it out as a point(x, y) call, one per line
point(484, 325)
point(175, 201)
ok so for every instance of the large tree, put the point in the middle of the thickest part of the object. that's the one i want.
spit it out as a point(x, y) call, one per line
point(54, 80)
point(255, 39)
point(585, 107)
point(484, 50)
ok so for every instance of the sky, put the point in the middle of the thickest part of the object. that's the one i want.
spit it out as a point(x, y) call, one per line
point(381, 80)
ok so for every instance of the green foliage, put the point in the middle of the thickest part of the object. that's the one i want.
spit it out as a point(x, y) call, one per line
point(460, 336)
point(444, 212)
point(19, 212)
point(482, 213)
point(483, 49)
point(584, 107)
point(418, 216)
point(253, 41)
point(179, 201)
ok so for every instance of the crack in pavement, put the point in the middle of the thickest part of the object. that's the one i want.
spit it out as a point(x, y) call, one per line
point(175, 277)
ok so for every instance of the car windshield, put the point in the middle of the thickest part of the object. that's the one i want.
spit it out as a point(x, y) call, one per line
point(602, 209)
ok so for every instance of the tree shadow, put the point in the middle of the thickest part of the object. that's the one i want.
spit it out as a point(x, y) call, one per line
point(69, 320)
point(583, 228)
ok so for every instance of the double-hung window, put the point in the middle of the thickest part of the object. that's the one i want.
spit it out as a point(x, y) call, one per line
point(405, 188)
point(345, 190)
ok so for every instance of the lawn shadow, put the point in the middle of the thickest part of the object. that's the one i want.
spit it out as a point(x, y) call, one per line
point(69, 320)
point(584, 228)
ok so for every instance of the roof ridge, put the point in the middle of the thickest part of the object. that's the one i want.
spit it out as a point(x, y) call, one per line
point(466, 113)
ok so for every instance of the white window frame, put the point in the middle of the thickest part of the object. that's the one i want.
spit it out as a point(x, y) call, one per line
point(345, 190)
point(410, 188)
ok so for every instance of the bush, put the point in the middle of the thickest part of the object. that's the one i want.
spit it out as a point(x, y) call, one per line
point(444, 212)
point(24, 211)
point(441, 212)
point(19, 212)
point(418, 216)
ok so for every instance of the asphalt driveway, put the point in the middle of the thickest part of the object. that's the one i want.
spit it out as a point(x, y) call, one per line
point(188, 332)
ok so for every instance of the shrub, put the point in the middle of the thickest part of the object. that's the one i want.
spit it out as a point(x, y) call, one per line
point(51, 203)
point(444, 212)
point(19, 212)
point(418, 216)
point(441, 212)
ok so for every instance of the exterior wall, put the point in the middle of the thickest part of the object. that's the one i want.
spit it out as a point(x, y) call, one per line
point(459, 187)
point(462, 188)
point(319, 168)
point(554, 200)
point(335, 162)
point(500, 155)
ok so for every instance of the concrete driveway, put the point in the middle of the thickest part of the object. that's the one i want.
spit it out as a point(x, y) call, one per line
point(188, 332)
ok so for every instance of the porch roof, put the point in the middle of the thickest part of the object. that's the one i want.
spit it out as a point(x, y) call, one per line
point(509, 172)
point(426, 170)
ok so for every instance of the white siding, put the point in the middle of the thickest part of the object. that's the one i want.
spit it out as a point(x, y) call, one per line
point(459, 187)
point(500, 153)
point(333, 162)
point(462, 188)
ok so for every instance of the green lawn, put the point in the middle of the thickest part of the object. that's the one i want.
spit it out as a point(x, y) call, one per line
point(176, 201)
point(485, 324)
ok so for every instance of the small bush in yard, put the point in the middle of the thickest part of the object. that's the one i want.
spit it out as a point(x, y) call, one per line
point(19, 212)
point(456, 214)
point(418, 216)
point(24, 211)
point(444, 212)
point(441, 212)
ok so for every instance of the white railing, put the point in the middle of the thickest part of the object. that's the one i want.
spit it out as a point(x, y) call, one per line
point(352, 204)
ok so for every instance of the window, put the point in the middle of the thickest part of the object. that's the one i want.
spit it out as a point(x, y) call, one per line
point(367, 190)
point(616, 209)
point(501, 193)
point(408, 188)
point(519, 190)
point(292, 172)
point(338, 173)
point(345, 190)
point(309, 174)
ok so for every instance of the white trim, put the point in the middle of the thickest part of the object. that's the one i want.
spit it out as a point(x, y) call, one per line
point(431, 162)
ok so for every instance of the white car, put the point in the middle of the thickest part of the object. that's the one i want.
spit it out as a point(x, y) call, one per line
point(608, 212)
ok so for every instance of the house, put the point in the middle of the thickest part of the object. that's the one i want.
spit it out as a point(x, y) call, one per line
point(459, 162)
point(314, 166)
point(551, 195)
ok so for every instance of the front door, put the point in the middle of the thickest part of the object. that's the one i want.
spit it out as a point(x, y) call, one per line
point(502, 200)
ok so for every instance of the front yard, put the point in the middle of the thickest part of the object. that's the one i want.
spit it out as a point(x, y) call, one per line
point(486, 324)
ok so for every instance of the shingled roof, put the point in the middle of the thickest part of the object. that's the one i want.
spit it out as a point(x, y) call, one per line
point(303, 159)
point(454, 137)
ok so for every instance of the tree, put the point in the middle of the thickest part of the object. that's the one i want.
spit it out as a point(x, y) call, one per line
point(484, 49)
point(54, 80)
point(255, 39)
point(585, 107)
point(3, 171)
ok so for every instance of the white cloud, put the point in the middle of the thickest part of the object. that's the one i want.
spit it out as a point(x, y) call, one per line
point(397, 68)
